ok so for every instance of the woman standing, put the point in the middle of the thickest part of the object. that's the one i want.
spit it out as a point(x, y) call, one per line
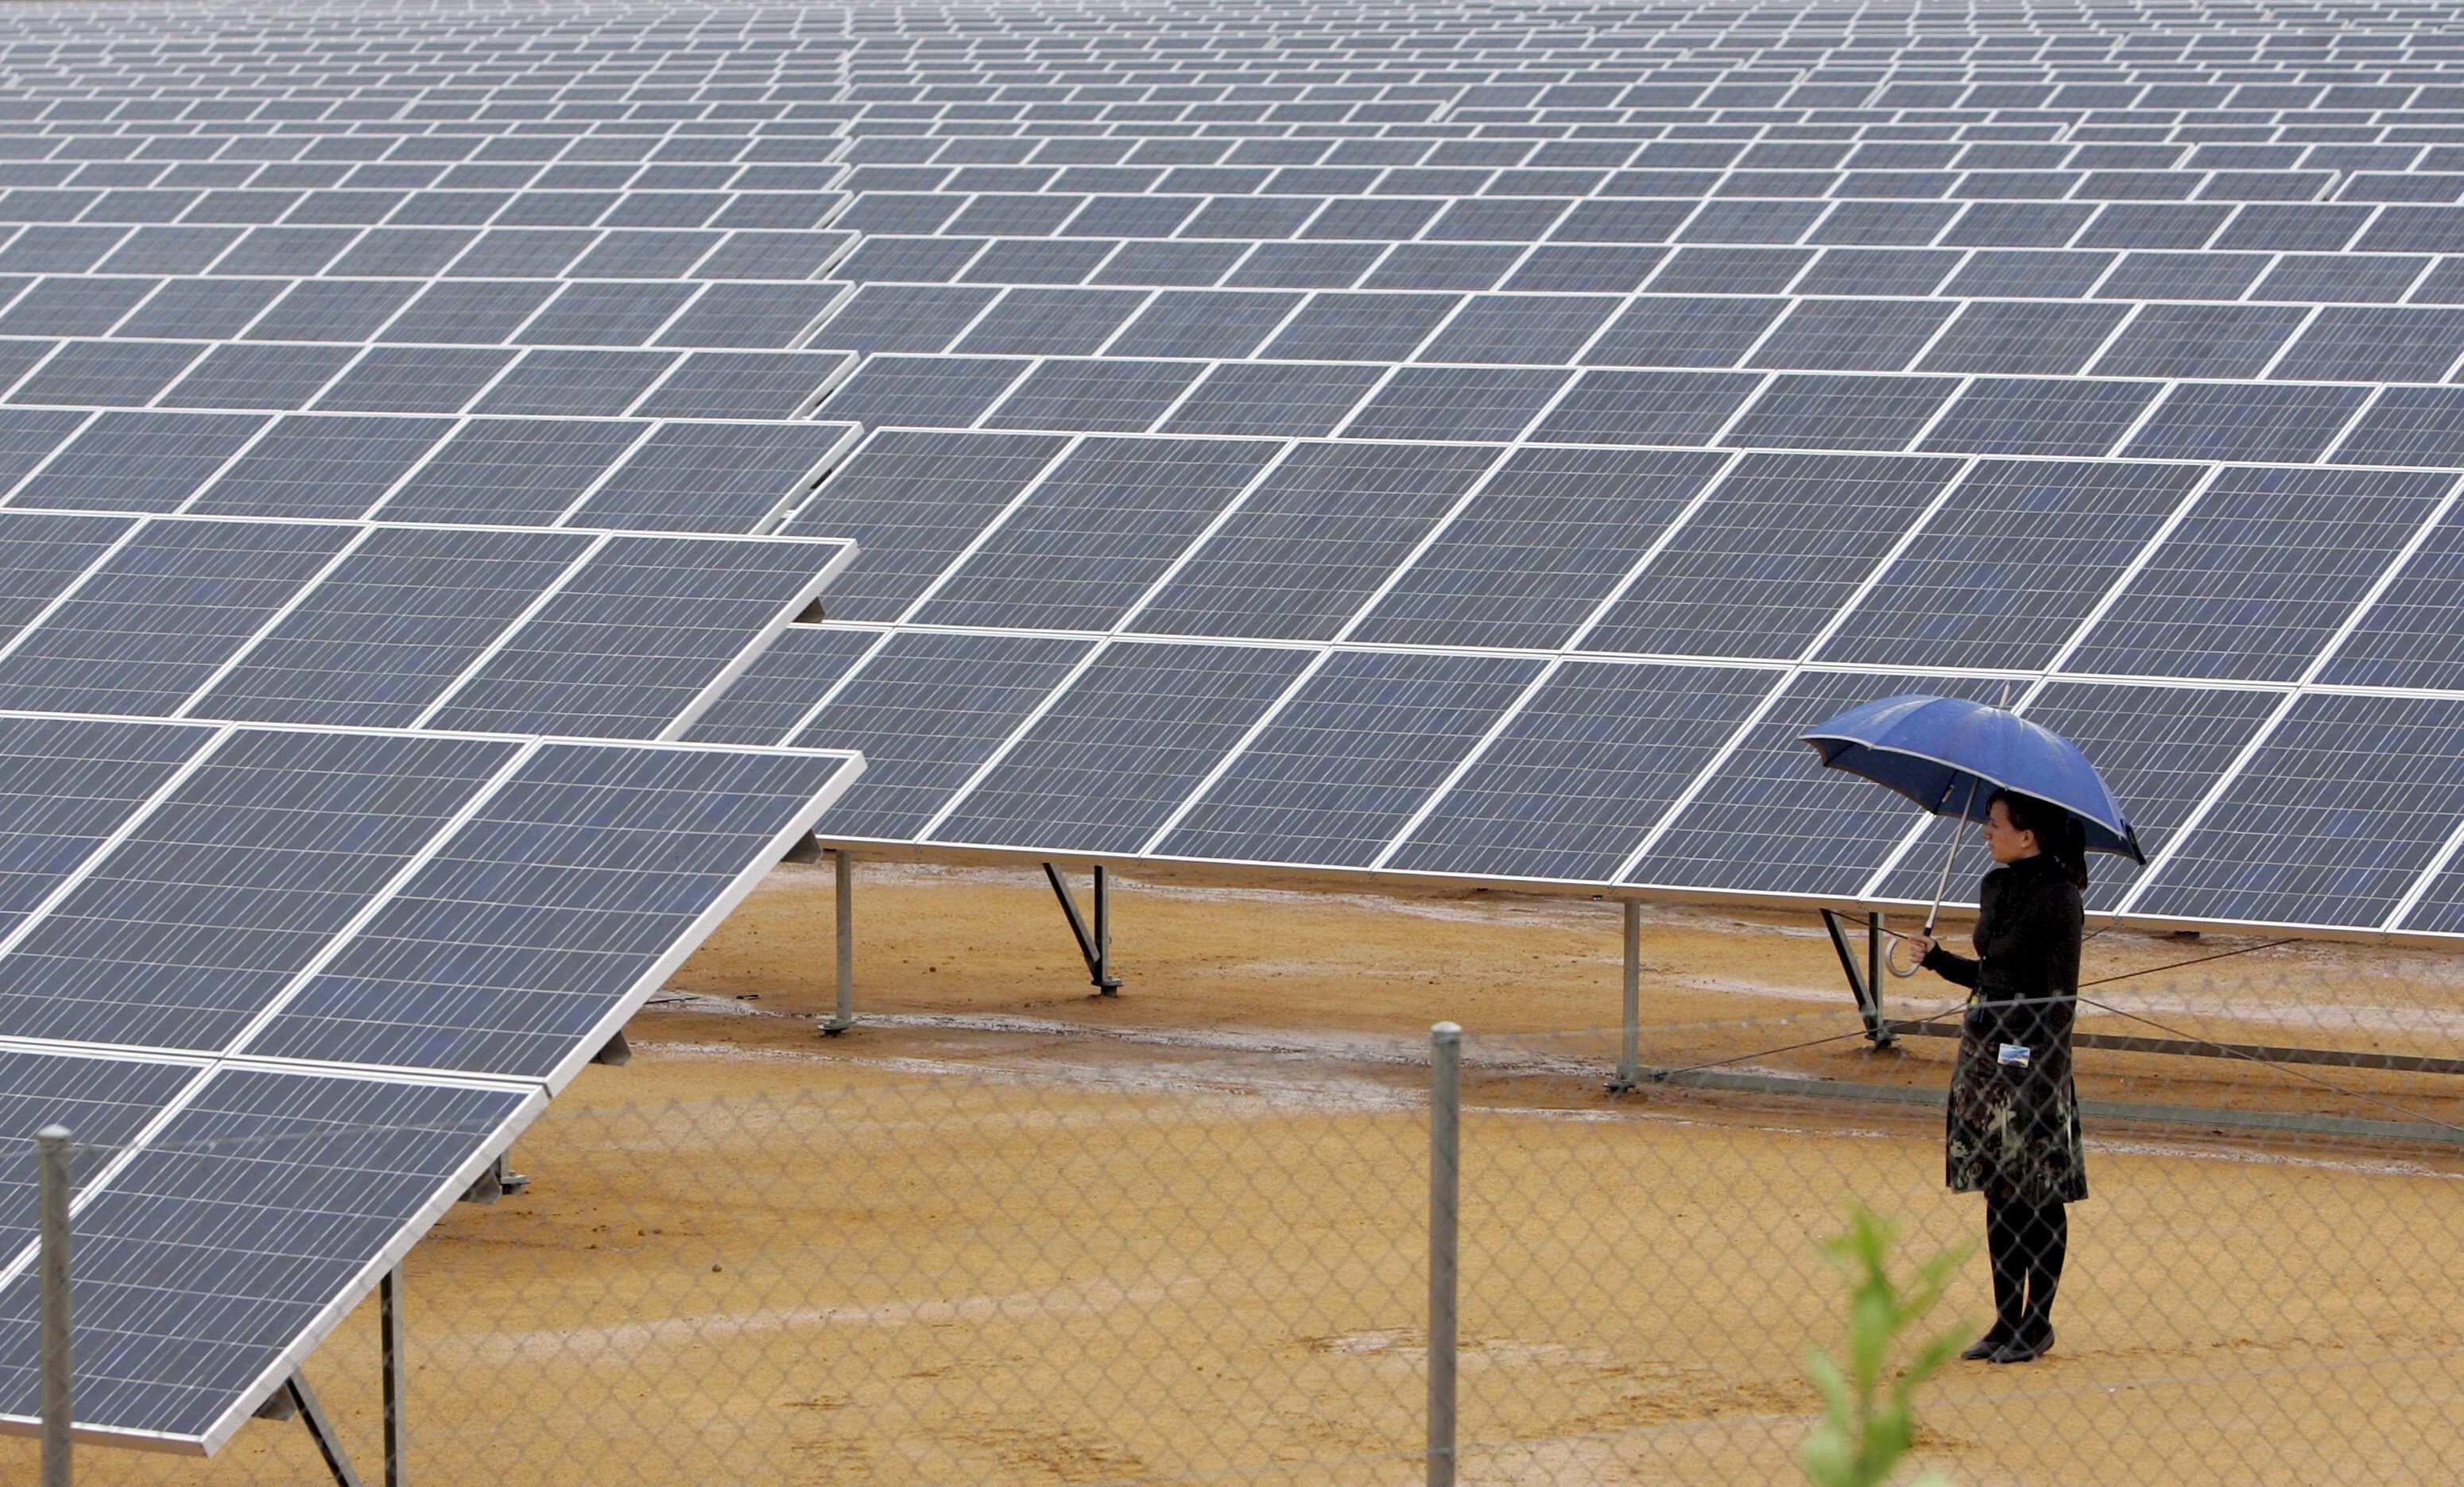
point(2013, 1129)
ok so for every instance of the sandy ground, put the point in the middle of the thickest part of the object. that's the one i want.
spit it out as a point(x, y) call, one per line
point(1009, 1233)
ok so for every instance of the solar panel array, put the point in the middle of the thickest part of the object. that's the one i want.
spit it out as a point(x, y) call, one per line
point(1450, 440)
point(1470, 441)
point(1456, 441)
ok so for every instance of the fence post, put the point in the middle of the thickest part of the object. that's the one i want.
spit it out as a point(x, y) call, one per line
point(1445, 1169)
point(52, 1144)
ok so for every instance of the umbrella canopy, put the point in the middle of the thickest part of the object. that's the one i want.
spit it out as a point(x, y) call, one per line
point(1950, 756)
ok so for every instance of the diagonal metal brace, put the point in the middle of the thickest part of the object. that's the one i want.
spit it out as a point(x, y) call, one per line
point(320, 1429)
point(1865, 981)
point(1095, 946)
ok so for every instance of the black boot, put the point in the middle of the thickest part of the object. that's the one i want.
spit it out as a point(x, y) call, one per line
point(2045, 1235)
point(2034, 1342)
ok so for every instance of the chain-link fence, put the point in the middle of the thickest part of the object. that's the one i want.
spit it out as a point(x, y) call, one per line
point(1089, 1258)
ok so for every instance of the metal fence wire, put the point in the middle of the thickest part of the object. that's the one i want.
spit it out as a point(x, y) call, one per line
point(1104, 1262)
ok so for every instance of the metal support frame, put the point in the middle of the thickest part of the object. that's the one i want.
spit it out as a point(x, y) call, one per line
point(58, 1397)
point(1865, 984)
point(495, 1181)
point(843, 931)
point(320, 1430)
point(1445, 1212)
point(1096, 945)
point(1865, 981)
point(2205, 1116)
point(1629, 1070)
point(2262, 1053)
point(396, 1381)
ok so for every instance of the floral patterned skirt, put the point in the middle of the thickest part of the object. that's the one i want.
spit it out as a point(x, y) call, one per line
point(2013, 1134)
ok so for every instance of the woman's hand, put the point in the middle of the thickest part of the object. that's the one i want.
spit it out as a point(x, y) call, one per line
point(1922, 945)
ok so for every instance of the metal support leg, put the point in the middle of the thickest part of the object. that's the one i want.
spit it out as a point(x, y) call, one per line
point(1105, 985)
point(1874, 977)
point(1864, 980)
point(1630, 1044)
point(1094, 946)
point(843, 889)
point(52, 1143)
point(389, 1341)
point(1446, 1173)
point(320, 1430)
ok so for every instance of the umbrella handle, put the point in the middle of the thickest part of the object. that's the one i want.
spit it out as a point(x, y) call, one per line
point(1891, 959)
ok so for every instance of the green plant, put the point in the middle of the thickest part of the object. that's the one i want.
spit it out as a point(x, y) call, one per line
point(1869, 1418)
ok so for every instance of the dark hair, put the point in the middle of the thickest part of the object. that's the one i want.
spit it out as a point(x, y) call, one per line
point(2060, 834)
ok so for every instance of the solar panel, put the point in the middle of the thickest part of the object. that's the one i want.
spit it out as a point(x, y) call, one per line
point(311, 940)
point(1372, 442)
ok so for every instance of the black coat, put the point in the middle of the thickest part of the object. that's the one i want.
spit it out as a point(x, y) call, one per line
point(2013, 1130)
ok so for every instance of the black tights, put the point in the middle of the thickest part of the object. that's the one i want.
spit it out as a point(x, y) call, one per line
point(2027, 1242)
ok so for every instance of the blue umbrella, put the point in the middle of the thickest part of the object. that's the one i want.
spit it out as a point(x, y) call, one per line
point(1950, 756)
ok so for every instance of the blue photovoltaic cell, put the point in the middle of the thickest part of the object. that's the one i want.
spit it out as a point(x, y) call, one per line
point(1274, 398)
point(1347, 761)
point(1314, 540)
point(391, 626)
point(272, 376)
point(27, 435)
point(638, 634)
point(1675, 331)
point(1647, 407)
point(1583, 771)
point(43, 555)
point(160, 614)
point(713, 477)
point(1808, 413)
point(1542, 545)
point(1123, 745)
point(2226, 421)
point(768, 703)
point(2331, 821)
point(2406, 637)
point(2260, 573)
point(910, 502)
point(2414, 344)
point(928, 710)
point(743, 384)
point(936, 392)
point(300, 1180)
point(329, 467)
point(537, 923)
point(1455, 402)
point(1747, 575)
point(2010, 565)
point(2024, 337)
point(2050, 416)
point(1202, 323)
point(921, 317)
point(111, 373)
point(1851, 335)
point(106, 1101)
point(2198, 340)
point(233, 885)
point(2160, 748)
point(576, 384)
point(511, 471)
point(1100, 528)
point(1094, 396)
point(2408, 426)
point(415, 379)
point(1770, 820)
point(65, 787)
point(138, 460)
